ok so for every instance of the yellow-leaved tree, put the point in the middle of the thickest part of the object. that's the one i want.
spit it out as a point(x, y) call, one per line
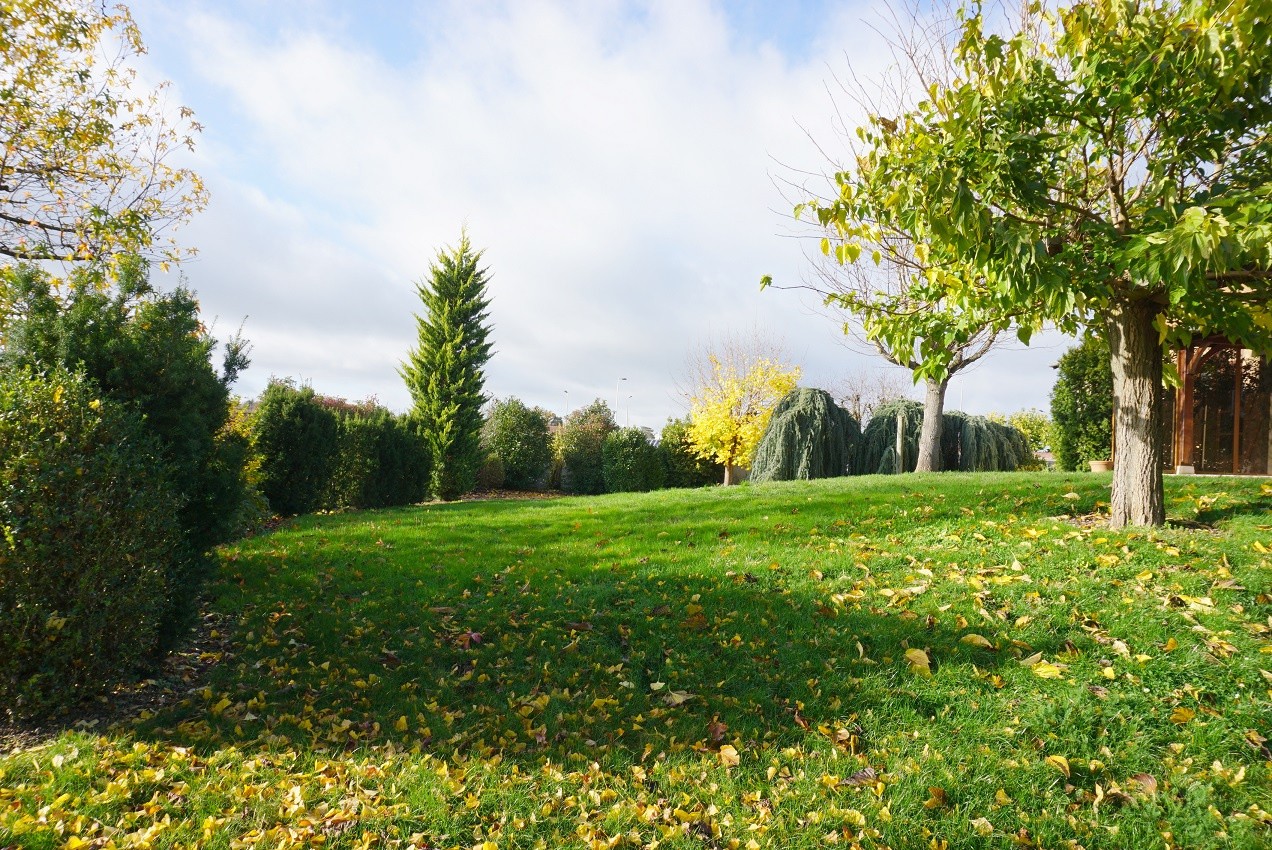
point(85, 171)
point(734, 390)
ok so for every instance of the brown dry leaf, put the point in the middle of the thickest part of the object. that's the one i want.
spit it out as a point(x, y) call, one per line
point(865, 776)
point(716, 731)
point(937, 798)
point(1031, 660)
point(1147, 783)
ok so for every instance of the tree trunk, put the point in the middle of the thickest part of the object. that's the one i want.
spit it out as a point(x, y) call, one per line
point(728, 474)
point(1136, 354)
point(933, 421)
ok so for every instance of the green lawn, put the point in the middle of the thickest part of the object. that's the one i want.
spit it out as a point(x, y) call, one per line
point(915, 661)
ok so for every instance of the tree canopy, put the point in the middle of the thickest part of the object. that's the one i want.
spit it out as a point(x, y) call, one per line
point(85, 172)
point(1105, 166)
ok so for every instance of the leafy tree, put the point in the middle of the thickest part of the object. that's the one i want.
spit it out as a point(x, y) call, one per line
point(1035, 426)
point(519, 437)
point(630, 463)
point(298, 439)
point(735, 389)
point(685, 468)
point(1104, 167)
point(149, 351)
point(85, 172)
point(381, 459)
point(808, 436)
point(580, 448)
point(1082, 405)
point(445, 371)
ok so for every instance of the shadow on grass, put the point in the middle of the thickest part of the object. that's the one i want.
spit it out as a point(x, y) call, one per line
point(566, 629)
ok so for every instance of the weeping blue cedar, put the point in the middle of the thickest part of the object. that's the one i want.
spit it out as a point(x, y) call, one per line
point(968, 443)
point(808, 436)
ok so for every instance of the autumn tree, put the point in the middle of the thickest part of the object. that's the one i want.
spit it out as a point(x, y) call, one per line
point(733, 389)
point(1103, 166)
point(445, 372)
point(85, 154)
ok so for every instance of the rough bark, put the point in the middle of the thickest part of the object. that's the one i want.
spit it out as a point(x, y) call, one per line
point(1136, 359)
point(933, 421)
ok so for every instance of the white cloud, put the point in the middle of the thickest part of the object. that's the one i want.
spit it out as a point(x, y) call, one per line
point(613, 159)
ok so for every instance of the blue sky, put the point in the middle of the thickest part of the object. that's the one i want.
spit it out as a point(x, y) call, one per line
point(621, 163)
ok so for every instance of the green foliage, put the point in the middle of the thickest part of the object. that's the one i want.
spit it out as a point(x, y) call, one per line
point(1082, 405)
point(90, 539)
point(878, 439)
point(381, 459)
point(299, 443)
point(519, 437)
point(491, 474)
point(580, 447)
point(445, 371)
point(684, 466)
point(630, 463)
point(978, 444)
point(968, 443)
point(808, 436)
point(1102, 168)
point(150, 352)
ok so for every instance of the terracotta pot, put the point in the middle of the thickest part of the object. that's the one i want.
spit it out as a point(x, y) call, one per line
point(1101, 465)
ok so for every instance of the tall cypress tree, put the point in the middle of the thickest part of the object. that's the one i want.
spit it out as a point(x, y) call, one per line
point(445, 372)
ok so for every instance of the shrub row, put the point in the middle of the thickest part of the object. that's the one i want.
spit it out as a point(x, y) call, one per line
point(319, 453)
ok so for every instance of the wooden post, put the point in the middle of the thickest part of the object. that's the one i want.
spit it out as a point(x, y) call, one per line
point(1236, 414)
point(1186, 362)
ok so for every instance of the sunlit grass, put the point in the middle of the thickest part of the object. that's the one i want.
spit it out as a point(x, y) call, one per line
point(920, 661)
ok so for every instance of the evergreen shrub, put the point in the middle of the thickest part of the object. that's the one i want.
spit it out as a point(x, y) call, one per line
point(579, 446)
point(808, 436)
point(90, 525)
point(1082, 405)
point(684, 466)
point(298, 440)
point(630, 463)
point(518, 435)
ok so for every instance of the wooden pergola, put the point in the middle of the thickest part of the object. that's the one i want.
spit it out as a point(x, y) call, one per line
point(1190, 362)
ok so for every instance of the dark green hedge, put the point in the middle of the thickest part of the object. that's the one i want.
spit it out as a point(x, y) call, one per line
point(91, 538)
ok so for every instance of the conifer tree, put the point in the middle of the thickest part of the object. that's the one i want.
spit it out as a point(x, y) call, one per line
point(445, 372)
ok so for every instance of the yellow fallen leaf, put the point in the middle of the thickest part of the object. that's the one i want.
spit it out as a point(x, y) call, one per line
point(1047, 670)
point(1060, 763)
point(1182, 715)
point(936, 797)
point(401, 724)
point(976, 640)
point(1002, 798)
point(729, 756)
point(919, 663)
point(983, 827)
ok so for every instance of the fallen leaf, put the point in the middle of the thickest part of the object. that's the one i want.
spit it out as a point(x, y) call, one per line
point(1047, 670)
point(1060, 763)
point(865, 776)
point(976, 640)
point(1181, 715)
point(1147, 783)
point(919, 663)
point(936, 798)
point(729, 756)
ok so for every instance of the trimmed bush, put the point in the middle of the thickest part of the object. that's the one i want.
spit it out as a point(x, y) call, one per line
point(630, 463)
point(90, 534)
point(685, 468)
point(808, 436)
point(299, 443)
point(1082, 405)
point(579, 446)
point(519, 437)
point(381, 459)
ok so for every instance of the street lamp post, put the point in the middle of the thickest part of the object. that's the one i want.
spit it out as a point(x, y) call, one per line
point(629, 411)
point(617, 385)
point(566, 411)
